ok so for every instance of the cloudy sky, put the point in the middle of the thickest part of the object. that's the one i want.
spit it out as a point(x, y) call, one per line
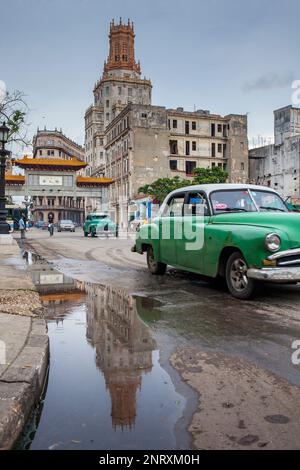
point(228, 56)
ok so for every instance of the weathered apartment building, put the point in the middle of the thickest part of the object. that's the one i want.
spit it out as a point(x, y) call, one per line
point(133, 142)
point(53, 143)
point(278, 165)
point(200, 139)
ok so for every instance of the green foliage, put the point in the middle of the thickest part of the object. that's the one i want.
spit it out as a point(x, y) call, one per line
point(15, 122)
point(210, 175)
point(160, 188)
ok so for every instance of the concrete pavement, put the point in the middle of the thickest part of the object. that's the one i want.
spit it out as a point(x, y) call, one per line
point(24, 346)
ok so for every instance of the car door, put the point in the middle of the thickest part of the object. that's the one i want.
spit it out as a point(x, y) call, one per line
point(170, 230)
point(196, 216)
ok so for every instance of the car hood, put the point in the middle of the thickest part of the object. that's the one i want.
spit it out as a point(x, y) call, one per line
point(287, 222)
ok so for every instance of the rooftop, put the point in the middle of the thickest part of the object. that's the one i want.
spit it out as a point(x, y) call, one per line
point(73, 163)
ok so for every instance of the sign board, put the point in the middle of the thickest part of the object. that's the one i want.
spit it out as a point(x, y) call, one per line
point(51, 180)
point(51, 279)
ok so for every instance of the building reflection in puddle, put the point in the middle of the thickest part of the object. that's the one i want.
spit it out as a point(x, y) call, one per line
point(106, 387)
point(123, 347)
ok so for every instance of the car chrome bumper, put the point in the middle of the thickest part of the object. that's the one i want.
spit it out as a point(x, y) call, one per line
point(283, 275)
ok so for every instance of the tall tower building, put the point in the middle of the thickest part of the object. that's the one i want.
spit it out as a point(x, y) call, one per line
point(120, 84)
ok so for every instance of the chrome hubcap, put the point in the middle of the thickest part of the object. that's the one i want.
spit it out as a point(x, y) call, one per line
point(238, 275)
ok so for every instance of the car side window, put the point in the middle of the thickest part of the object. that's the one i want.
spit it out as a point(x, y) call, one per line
point(174, 207)
point(88, 217)
point(196, 204)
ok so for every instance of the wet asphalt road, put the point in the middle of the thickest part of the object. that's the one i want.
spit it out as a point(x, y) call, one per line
point(176, 311)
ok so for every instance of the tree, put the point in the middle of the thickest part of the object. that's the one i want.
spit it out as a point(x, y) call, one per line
point(210, 175)
point(160, 188)
point(13, 111)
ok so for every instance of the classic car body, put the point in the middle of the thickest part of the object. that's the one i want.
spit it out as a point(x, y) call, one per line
point(243, 233)
point(99, 224)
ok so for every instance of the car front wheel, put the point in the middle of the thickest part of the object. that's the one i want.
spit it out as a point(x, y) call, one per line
point(155, 267)
point(238, 283)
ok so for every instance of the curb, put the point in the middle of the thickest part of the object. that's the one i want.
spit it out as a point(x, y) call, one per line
point(22, 383)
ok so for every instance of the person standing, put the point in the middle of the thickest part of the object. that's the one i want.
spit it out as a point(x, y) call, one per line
point(22, 227)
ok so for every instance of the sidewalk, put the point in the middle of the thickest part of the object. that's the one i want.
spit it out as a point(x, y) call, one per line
point(24, 347)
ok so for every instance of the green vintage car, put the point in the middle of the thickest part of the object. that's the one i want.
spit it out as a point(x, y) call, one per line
point(243, 233)
point(99, 225)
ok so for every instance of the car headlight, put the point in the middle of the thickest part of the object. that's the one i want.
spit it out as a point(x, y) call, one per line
point(272, 242)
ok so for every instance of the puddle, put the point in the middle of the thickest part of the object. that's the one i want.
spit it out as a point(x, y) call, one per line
point(106, 388)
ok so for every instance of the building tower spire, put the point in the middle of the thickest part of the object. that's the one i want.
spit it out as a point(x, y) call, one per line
point(121, 48)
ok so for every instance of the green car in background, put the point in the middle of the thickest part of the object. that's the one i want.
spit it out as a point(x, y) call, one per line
point(99, 225)
point(243, 233)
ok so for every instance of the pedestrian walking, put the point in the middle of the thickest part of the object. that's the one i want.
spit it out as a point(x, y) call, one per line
point(22, 227)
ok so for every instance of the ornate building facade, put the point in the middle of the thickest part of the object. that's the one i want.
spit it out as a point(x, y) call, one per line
point(120, 84)
point(134, 143)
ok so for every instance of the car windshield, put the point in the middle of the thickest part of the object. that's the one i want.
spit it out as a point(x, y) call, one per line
point(267, 201)
point(242, 200)
point(66, 222)
point(232, 201)
point(99, 217)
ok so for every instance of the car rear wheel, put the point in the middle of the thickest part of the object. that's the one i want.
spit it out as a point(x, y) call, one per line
point(93, 232)
point(155, 267)
point(238, 283)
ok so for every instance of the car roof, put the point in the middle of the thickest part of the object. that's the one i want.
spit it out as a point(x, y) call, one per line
point(209, 188)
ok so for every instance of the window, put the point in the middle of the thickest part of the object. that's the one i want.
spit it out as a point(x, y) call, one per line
point(129, 91)
point(213, 150)
point(213, 130)
point(194, 145)
point(107, 103)
point(213, 165)
point(169, 125)
point(101, 141)
point(242, 166)
point(144, 115)
point(41, 152)
point(120, 90)
point(173, 147)
point(219, 148)
point(232, 201)
point(173, 165)
point(193, 125)
point(174, 123)
point(219, 127)
point(48, 153)
point(196, 204)
point(107, 91)
point(174, 206)
point(187, 147)
point(187, 127)
point(190, 167)
point(224, 150)
point(107, 116)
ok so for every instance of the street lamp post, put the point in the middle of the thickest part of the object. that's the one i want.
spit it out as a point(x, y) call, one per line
point(4, 226)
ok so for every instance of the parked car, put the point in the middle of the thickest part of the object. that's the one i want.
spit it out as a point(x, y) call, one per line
point(65, 226)
point(99, 224)
point(39, 223)
point(242, 233)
